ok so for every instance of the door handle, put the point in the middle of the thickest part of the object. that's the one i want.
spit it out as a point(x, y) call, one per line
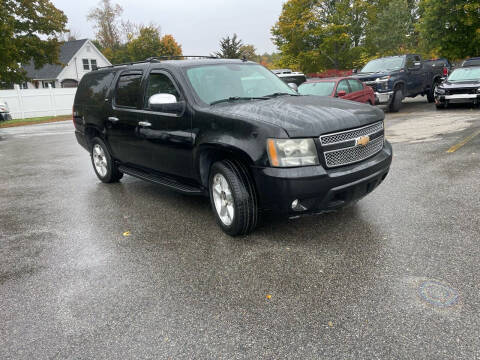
point(113, 119)
point(144, 124)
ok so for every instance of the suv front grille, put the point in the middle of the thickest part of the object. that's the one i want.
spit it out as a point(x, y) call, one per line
point(348, 135)
point(345, 149)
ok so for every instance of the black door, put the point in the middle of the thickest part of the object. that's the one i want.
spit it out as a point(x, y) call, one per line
point(167, 133)
point(122, 125)
point(416, 75)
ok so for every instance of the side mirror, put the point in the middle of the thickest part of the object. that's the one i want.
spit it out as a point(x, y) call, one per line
point(354, 71)
point(293, 86)
point(341, 93)
point(166, 103)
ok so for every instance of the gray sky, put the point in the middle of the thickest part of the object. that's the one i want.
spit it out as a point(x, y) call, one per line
point(197, 25)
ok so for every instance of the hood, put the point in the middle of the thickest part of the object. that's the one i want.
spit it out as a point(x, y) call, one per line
point(302, 116)
point(372, 76)
point(460, 84)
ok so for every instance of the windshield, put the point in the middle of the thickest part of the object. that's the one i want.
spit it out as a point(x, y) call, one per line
point(217, 82)
point(384, 64)
point(323, 88)
point(465, 74)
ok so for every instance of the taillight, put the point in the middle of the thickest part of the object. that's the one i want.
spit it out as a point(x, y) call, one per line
point(445, 71)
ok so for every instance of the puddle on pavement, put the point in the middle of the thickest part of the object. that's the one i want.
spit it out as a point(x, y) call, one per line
point(437, 294)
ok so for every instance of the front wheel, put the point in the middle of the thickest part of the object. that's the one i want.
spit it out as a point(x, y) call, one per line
point(103, 164)
point(233, 197)
point(396, 101)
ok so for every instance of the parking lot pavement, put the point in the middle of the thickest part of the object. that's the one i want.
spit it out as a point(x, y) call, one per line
point(130, 270)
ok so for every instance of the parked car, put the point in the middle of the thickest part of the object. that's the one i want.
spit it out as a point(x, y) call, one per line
point(471, 62)
point(4, 111)
point(233, 131)
point(341, 87)
point(396, 77)
point(290, 77)
point(462, 86)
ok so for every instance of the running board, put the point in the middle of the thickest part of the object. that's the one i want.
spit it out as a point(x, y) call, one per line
point(162, 180)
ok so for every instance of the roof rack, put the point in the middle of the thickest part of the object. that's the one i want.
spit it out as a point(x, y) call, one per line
point(159, 59)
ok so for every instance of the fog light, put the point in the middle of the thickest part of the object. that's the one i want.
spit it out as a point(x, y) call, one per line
point(296, 206)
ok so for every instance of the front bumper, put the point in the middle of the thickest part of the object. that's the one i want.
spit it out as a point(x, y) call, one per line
point(457, 98)
point(318, 189)
point(383, 98)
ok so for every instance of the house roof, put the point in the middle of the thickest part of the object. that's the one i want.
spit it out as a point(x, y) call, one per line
point(51, 71)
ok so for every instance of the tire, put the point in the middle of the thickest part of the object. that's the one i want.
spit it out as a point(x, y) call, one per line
point(396, 102)
point(102, 162)
point(431, 93)
point(233, 197)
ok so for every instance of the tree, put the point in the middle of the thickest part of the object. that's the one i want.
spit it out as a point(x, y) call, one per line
point(106, 21)
point(391, 31)
point(146, 45)
point(28, 32)
point(450, 28)
point(230, 48)
point(314, 35)
point(169, 47)
point(249, 52)
point(149, 44)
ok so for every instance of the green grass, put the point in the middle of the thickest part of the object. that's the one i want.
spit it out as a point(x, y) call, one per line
point(34, 120)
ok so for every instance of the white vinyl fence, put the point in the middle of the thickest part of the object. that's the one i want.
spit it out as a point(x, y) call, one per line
point(27, 103)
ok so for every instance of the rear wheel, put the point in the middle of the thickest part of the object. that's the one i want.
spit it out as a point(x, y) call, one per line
point(102, 162)
point(233, 197)
point(396, 103)
point(431, 93)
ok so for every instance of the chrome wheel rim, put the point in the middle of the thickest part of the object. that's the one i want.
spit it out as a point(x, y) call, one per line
point(223, 199)
point(99, 160)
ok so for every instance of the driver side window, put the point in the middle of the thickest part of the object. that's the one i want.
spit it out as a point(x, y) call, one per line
point(343, 86)
point(160, 84)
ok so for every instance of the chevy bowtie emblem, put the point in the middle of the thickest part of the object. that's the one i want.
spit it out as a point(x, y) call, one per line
point(362, 140)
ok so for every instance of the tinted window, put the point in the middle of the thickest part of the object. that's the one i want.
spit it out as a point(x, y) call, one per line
point(343, 86)
point(355, 85)
point(128, 89)
point(410, 62)
point(160, 84)
point(93, 88)
point(321, 88)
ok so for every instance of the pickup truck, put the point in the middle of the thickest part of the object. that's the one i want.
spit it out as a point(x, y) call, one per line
point(395, 77)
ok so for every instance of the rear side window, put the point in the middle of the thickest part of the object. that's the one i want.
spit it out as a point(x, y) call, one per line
point(128, 90)
point(93, 88)
point(355, 85)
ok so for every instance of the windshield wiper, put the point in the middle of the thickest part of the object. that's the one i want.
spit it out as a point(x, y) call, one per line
point(280, 94)
point(236, 98)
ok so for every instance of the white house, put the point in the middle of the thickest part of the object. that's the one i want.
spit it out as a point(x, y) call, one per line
point(77, 58)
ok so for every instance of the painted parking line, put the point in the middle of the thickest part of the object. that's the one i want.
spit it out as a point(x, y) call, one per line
point(463, 142)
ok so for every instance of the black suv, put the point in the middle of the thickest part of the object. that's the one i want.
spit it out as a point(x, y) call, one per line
point(233, 131)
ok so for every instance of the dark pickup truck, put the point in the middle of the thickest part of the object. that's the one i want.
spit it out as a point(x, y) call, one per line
point(396, 77)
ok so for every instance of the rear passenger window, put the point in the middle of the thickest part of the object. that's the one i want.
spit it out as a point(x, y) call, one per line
point(128, 90)
point(93, 88)
point(355, 85)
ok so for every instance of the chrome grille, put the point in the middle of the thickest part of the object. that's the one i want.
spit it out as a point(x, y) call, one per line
point(351, 134)
point(353, 154)
point(372, 84)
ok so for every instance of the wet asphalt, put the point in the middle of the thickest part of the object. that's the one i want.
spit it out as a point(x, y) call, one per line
point(131, 270)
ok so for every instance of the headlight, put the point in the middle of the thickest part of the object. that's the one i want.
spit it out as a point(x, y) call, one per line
point(383, 79)
point(478, 91)
point(292, 152)
point(440, 91)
